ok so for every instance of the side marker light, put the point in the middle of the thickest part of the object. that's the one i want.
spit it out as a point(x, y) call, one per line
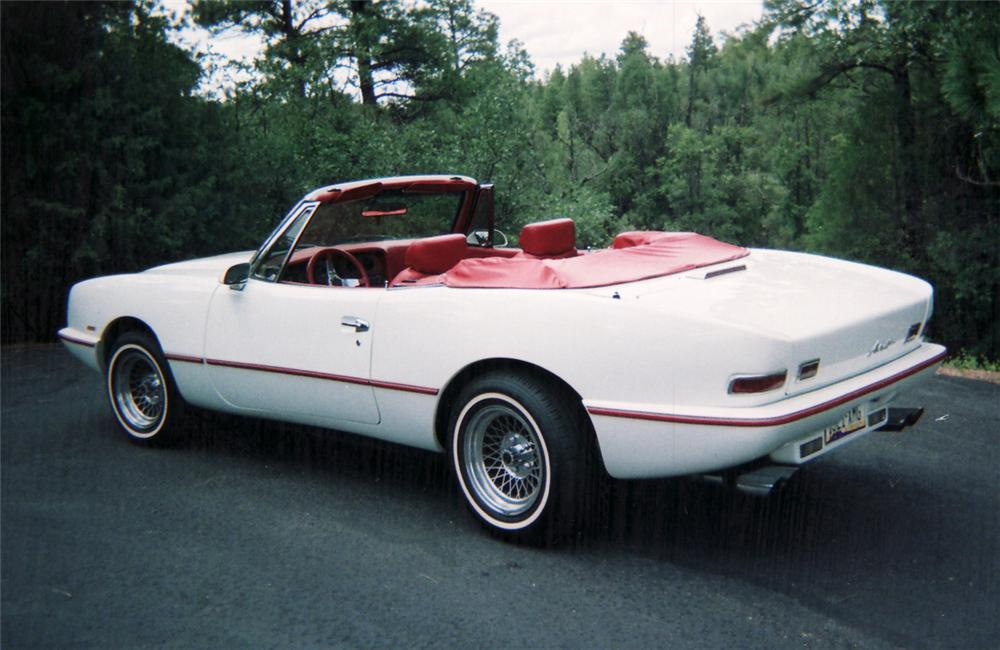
point(808, 369)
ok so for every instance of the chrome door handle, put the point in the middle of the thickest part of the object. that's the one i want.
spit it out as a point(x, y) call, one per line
point(359, 324)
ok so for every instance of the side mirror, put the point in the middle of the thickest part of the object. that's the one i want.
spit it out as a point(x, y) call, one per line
point(480, 238)
point(236, 276)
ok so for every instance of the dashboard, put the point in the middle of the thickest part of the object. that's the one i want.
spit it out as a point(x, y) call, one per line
point(334, 268)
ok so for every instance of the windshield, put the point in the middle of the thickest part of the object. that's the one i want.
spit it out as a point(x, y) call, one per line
point(393, 214)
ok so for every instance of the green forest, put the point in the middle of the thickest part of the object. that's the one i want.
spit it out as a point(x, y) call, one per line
point(863, 129)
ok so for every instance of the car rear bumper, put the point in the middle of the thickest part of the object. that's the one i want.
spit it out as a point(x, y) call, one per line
point(644, 441)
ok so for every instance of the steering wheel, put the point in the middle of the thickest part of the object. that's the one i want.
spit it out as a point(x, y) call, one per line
point(327, 255)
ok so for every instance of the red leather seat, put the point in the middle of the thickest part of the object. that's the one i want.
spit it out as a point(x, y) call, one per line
point(428, 258)
point(553, 239)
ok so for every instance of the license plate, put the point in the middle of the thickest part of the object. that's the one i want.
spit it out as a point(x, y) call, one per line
point(853, 420)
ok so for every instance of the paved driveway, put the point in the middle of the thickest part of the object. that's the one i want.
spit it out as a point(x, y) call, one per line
point(261, 535)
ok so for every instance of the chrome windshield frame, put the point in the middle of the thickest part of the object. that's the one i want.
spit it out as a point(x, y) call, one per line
point(278, 230)
point(304, 210)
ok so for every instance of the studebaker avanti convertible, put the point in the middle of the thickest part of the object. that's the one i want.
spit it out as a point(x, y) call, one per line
point(393, 308)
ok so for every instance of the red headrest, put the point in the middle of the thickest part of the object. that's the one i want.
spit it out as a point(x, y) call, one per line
point(635, 238)
point(643, 237)
point(548, 237)
point(435, 255)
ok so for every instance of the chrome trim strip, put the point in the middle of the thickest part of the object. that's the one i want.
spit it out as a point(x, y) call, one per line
point(255, 262)
point(732, 269)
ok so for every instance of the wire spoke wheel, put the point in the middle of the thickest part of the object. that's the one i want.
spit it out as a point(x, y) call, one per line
point(503, 460)
point(518, 447)
point(140, 388)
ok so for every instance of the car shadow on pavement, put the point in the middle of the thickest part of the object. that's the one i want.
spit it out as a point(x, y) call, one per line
point(842, 537)
point(319, 451)
point(670, 519)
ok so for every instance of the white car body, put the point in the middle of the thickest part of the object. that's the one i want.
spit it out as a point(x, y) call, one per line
point(650, 360)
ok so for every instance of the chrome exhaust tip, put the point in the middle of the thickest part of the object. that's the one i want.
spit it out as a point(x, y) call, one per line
point(764, 480)
point(898, 419)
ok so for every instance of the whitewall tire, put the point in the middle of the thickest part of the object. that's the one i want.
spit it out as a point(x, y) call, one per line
point(518, 450)
point(141, 389)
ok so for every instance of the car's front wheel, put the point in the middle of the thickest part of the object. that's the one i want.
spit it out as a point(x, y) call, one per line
point(141, 389)
point(519, 450)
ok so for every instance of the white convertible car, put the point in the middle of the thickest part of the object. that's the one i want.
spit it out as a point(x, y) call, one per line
point(666, 354)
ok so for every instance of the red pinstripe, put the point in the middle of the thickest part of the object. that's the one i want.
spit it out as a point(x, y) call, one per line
point(295, 372)
point(772, 421)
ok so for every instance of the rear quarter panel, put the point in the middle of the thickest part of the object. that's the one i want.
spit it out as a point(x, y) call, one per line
point(604, 348)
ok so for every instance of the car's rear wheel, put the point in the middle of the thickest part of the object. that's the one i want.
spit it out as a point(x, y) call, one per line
point(141, 389)
point(519, 450)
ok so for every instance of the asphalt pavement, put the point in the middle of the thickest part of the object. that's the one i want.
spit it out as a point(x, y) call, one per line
point(257, 534)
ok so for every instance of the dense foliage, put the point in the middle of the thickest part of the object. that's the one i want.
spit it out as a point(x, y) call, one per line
point(866, 130)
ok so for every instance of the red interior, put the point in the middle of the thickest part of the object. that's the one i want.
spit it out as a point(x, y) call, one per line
point(549, 239)
point(436, 254)
point(382, 259)
point(549, 259)
point(431, 256)
point(636, 256)
point(388, 259)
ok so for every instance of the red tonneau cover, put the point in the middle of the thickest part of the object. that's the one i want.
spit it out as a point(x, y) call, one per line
point(634, 256)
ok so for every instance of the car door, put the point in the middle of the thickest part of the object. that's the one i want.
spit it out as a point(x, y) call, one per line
point(299, 352)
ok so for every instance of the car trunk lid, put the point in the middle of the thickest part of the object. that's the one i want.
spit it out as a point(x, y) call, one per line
point(851, 317)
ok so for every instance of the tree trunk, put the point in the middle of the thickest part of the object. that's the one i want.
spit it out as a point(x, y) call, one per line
point(362, 52)
point(909, 190)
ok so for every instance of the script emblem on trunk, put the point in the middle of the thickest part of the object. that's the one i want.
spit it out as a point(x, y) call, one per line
point(879, 346)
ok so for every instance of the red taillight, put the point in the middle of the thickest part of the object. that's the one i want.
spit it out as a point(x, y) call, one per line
point(758, 383)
